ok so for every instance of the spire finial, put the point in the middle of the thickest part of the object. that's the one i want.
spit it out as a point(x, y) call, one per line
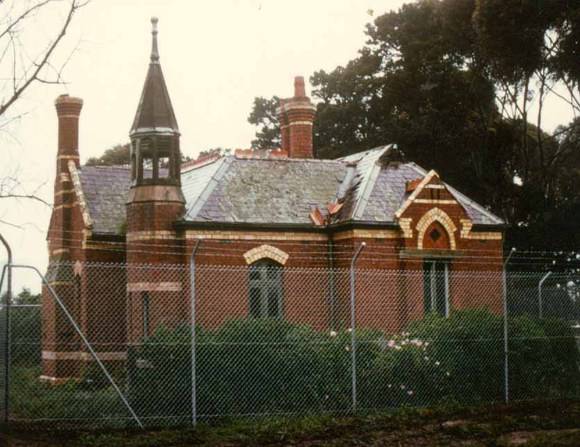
point(154, 50)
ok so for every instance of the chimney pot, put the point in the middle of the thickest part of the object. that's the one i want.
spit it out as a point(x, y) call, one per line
point(299, 89)
point(296, 117)
point(68, 110)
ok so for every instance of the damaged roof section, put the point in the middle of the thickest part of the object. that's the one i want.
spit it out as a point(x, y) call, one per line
point(264, 190)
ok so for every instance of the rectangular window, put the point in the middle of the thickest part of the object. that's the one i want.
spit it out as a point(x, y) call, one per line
point(436, 287)
point(146, 313)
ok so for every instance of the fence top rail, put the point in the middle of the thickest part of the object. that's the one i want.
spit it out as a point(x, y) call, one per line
point(242, 268)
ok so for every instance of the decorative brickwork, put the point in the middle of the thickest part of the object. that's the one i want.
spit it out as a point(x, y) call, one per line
point(466, 233)
point(436, 215)
point(296, 117)
point(266, 251)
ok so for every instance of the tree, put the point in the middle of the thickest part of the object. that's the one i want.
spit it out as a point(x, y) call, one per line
point(452, 83)
point(118, 155)
point(28, 66)
point(264, 116)
point(214, 152)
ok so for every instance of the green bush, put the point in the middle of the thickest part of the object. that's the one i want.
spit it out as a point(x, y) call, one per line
point(543, 356)
point(469, 346)
point(249, 367)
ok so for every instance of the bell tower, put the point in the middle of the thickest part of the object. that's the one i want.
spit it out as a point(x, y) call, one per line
point(155, 156)
point(155, 199)
point(154, 203)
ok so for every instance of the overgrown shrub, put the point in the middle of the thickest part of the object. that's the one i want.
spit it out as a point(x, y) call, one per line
point(249, 367)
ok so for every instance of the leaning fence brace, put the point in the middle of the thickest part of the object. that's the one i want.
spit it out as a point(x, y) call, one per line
point(84, 340)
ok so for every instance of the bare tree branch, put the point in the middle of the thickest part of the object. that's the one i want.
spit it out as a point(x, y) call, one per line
point(45, 59)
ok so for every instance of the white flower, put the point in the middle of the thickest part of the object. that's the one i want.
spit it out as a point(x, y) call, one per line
point(410, 392)
point(398, 347)
point(333, 333)
point(402, 387)
point(349, 329)
point(391, 344)
point(437, 363)
point(426, 358)
point(447, 373)
point(347, 348)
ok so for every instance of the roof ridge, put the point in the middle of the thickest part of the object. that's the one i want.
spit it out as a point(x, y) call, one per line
point(367, 184)
point(209, 187)
point(291, 160)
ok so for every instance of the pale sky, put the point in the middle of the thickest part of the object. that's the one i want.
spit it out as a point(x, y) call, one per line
point(216, 57)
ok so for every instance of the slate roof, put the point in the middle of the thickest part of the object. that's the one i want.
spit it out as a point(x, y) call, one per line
point(105, 189)
point(266, 190)
point(277, 191)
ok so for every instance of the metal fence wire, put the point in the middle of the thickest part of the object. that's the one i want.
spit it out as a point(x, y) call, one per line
point(4, 343)
point(262, 340)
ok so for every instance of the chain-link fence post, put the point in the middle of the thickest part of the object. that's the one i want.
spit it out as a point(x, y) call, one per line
point(192, 304)
point(540, 301)
point(505, 330)
point(8, 302)
point(353, 324)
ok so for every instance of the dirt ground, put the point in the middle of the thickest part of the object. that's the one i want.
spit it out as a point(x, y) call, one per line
point(525, 424)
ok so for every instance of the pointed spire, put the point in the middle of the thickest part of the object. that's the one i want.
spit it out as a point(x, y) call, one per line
point(155, 112)
point(154, 49)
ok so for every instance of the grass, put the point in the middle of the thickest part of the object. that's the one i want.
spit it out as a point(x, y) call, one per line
point(534, 423)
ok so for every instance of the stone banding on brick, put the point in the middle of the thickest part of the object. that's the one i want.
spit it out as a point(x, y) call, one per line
point(254, 235)
point(370, 234)
point(78, 355)
point(405, 224)
point(152, 235)
point(154, 287)
point(79, 193)
point(466, 233)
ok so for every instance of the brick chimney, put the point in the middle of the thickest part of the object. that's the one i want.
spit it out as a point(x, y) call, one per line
point(68, 110)
point(296, 117)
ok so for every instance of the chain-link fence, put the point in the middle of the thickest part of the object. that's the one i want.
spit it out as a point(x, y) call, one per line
point(277, 341)
point(3, 341)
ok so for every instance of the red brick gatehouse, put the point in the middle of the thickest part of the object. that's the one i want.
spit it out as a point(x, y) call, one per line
point(275, 217)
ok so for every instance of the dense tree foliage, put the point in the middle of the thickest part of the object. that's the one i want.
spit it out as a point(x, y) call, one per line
point(118, 155)
point(460, 86)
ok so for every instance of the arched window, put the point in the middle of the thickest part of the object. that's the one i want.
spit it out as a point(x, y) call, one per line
point(266, 289)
